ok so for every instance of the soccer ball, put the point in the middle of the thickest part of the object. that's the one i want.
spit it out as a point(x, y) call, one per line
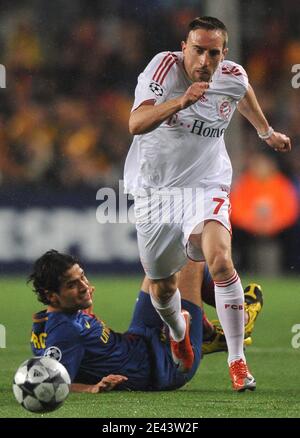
point(41, 384)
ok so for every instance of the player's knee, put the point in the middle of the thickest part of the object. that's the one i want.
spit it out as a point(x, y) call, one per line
point(165, 288)
point(221, 265)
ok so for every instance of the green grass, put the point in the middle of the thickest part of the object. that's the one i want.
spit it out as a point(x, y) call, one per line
point(271, 357)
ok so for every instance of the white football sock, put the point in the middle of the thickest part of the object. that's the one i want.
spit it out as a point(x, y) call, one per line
point(230, 309)
point(170, 313)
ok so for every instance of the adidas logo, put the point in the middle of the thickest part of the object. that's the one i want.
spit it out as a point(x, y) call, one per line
point(37, 373)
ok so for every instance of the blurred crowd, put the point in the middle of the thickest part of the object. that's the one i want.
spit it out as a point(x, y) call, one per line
point(72, 68)
point(71, 72)
point(270, 47)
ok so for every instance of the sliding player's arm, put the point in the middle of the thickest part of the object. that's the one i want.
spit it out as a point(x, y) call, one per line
point(106, 384)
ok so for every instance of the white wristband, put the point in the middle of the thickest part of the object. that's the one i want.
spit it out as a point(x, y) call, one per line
point(267, 134)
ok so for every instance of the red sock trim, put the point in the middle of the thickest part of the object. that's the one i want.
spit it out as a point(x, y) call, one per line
point(233, 279)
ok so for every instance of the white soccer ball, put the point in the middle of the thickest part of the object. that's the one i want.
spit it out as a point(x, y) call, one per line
point(41, 384)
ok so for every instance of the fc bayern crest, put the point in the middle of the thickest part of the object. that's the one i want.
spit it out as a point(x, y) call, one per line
point(54, 353)
point(156, 88)
point(225, 108)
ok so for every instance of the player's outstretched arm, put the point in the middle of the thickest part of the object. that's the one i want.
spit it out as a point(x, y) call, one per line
point(106, 384)
point(148, 117)
point(250, 108)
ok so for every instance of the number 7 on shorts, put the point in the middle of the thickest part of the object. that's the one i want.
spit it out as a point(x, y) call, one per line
point(220, 202)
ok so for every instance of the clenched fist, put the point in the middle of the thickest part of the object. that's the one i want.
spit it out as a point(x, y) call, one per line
point(193, 93)
point(279, 142)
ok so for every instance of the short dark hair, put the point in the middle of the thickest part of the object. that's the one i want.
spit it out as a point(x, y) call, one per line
point(48, 272)
point(209, 23)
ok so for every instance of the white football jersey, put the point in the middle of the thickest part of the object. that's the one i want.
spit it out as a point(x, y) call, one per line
point(188, 149)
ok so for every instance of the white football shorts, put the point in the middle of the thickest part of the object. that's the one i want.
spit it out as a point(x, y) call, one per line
point(166, 218)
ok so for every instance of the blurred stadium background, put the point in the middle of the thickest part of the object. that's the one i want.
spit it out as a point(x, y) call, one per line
point(71, 69)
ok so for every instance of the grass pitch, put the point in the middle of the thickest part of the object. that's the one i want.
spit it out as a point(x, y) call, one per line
point(272, 359)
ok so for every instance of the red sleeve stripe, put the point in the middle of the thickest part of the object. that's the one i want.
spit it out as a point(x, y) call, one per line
point(167, 71)
point(230, 73)
point(164, 67)
point(233, 71)
point(161, 65)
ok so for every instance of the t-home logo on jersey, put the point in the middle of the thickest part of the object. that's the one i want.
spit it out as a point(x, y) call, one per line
point(2, 336)
point(200, 128)
point(296, 338)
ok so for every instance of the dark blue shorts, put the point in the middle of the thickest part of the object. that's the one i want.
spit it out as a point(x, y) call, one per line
point(147, 323)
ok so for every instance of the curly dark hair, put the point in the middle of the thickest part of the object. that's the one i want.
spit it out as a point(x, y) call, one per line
point(48, 272)
point(209, 23)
